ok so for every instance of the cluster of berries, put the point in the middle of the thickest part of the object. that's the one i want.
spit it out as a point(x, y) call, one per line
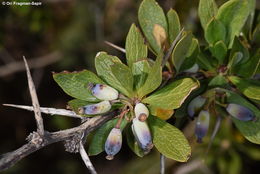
point(196, 108)
point(140, 128)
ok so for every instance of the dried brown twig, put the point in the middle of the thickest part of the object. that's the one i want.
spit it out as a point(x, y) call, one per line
point(73, 137)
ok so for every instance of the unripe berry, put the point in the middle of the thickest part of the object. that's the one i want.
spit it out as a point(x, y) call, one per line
point(103, 92)
point(141, 111)
point(202, 125)
point(240, 112)
point(94, 109)
point(195, 105)
point(113, 143)
point(142, 135)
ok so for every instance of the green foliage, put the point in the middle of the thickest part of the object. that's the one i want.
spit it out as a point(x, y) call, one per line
point(172, 95)
point(229, 60)
point(150, 15)
point(75, 83)
point(233, 15)
point(169, 140)
point(135, 47)
point(104, 64)
point(250, 129)
point(207, 10)
point(153, 79)
point(181, 51)
point(174, 25)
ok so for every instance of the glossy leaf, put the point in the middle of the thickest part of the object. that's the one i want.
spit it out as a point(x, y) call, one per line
point(207, 10)
point(192, 55)
point(151, 14)
point(218, 81)
point(172, 95)
point(104, 62)
point(249, 88)
point(123, 75)
point(251, 66)
point(153, 79)
point(219, 51)
point(174, 25)
point(233, 15)
point(169, 140)
point(250, 129)
point(180, 52)
point(75, 84)
point(215, 31)
point(140, 71)
point(135, 47)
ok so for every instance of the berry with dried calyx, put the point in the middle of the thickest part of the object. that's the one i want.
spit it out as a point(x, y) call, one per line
point(103, 92)
point(113, 143)
point(94, 109)
point(141, 111)
point(142, 135)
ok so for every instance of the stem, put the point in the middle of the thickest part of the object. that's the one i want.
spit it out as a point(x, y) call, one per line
point(125, 111)
point(162, 164)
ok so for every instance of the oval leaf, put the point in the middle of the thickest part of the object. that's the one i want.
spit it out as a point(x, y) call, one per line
point(169, 140)
point(151, 14)
point(104, 62)
point(135, 47)
point(207, 10)
point(75, 84)
point(174, 25)
point(172, 95)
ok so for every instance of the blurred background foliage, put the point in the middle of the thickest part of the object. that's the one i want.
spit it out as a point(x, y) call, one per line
point(65, 35)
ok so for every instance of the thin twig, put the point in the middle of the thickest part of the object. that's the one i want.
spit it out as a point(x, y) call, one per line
point(169, 52)
point(115, 46)
point(38, 62)
point(215, 131)
point(85, 157)
point(37, 142)
point(162, 164)
point(35, 102)
point(51, 111)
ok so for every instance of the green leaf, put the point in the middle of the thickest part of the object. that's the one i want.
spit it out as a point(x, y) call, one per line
point(150, 15)
point(250, 129)
point(249, 68)
point(172, 95)
point(207, 10)
point(235, 59)
point(191, 55)
point(100, 136)
point(249, 88)
point(140, 71)
point(132, 143)
point(174, 25)
point(180, 52)
point(103, 63)
point(215, 31)
point(135, 47)
point(203, 61)
point(219, 51)
point(123, 75)
point(233, 15)
point(218, 81)
point(239, 46)
point(153, 79)
point(169, 140)
point(75, 84)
